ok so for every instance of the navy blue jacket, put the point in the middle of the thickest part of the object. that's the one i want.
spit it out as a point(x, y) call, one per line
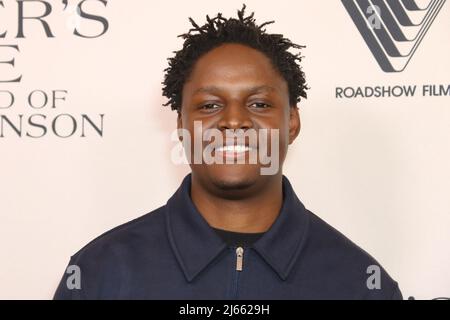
point(172, 253)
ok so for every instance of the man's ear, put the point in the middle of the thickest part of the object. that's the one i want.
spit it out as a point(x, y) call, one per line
point(294, 123)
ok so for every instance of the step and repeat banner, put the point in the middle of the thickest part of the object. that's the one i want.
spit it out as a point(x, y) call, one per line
point(85, 141)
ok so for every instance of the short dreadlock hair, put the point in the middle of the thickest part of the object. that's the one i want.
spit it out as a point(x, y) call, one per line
point(219, 30)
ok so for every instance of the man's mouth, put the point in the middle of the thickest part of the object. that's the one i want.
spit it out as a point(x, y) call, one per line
point(234, 151)
point(240, 148)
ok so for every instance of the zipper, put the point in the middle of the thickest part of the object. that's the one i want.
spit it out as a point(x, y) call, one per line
point(239, 258)
point(239, 264)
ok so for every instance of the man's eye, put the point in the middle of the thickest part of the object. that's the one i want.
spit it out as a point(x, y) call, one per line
point(260, 105)
point(210, 106)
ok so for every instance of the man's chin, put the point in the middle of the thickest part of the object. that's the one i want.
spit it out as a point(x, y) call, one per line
point(238, 180)
point(227, 184)
point(233, 181)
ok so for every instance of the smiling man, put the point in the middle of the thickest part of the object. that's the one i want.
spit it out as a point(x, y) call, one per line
point(232, 230)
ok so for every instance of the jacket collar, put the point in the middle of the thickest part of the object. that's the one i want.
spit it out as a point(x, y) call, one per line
point(196, 244)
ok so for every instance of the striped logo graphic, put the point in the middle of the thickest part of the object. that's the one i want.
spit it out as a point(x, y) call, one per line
point(393, 29)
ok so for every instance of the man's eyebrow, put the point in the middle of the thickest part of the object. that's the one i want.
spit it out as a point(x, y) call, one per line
point(215, 89)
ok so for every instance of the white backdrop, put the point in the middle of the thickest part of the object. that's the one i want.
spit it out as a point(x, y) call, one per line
point(377, 169)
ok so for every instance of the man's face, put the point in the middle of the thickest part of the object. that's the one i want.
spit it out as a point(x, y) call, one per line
point(233, 87)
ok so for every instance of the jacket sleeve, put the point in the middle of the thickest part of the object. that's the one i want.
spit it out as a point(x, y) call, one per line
point(397, 294)
point(67, 288)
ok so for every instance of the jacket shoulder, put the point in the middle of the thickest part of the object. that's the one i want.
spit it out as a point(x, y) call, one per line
point(342, 261)
point(126, 233)
point(103, 261)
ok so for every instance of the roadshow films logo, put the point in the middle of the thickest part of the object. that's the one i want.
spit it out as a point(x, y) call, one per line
point(393, 31)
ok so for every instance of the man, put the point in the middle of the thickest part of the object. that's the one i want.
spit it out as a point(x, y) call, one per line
point(230, 231)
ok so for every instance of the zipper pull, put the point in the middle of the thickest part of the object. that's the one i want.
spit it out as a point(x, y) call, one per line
point(239, 258)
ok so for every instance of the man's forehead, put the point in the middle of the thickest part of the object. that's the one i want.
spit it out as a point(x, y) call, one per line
point(224, 61)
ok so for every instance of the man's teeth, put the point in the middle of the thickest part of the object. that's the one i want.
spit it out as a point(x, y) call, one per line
point(238, 148)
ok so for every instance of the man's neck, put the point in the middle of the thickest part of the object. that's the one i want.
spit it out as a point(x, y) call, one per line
point(252, 214)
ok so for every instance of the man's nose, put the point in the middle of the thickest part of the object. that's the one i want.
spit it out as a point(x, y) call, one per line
point(235, 116)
